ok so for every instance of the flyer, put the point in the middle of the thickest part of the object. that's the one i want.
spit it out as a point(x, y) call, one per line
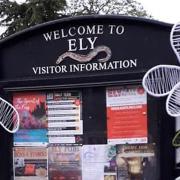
point(99, 162)
point(64, 117)
point(136, 162)
point(30, 163)
point(33, 122)
point(126, 115)
point(64, 162)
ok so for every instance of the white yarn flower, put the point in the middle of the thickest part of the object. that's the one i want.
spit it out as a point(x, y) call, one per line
point(163, 80)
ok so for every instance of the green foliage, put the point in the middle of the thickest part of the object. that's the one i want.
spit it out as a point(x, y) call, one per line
point(17, 17)
point(20, 16)
point(121, 7)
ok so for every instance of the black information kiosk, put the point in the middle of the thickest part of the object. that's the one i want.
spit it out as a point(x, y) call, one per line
point(84, 115)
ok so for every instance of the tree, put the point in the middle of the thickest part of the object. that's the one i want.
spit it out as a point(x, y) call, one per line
point(17, 17)
point(121, 7)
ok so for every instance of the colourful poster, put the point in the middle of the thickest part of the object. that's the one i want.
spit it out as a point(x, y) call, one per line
point(30, 163)
point(64, 162)
point(64, 117)
point(137, 162)
point(99, 162)
point(126, 115)
point(33, 122)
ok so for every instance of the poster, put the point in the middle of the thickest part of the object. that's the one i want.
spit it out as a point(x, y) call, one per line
point(30, 163)
point(126, 115)
point(64, 117)
point(136, 162)
point(33, 122)
point(64, 162)
point(99, 162)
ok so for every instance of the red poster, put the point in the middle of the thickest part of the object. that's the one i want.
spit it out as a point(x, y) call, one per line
point(126, 115)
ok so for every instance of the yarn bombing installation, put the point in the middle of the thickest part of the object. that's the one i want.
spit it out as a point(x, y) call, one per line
point(163, 80)
point(9, 117)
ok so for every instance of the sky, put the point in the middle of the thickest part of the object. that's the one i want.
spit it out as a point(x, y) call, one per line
point(162, 10)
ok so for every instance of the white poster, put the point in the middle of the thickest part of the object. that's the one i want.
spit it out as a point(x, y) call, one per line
point(98, 162)
point(64, 117)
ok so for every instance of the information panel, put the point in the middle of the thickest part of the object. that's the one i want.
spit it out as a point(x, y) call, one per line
point(125, 155)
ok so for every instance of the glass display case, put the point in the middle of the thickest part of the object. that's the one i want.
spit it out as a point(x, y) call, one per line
point(84, 115)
